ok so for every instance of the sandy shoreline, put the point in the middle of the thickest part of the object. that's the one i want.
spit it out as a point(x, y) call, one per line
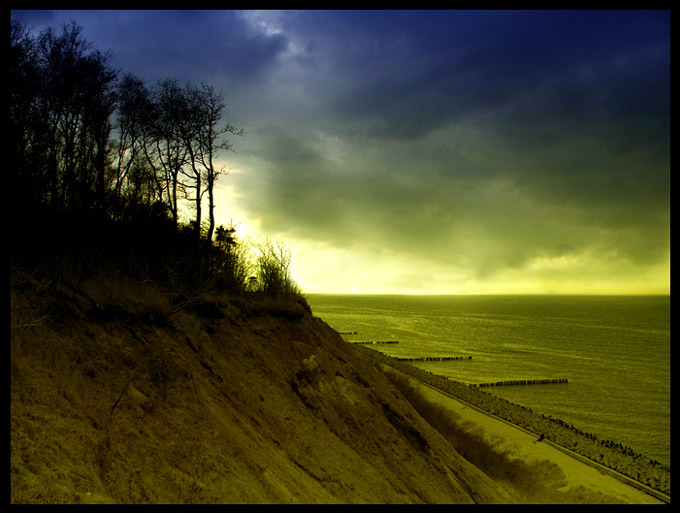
point(523, 444)
point(512, 427)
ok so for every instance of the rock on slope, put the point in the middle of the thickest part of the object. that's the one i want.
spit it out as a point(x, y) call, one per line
point(119, 395)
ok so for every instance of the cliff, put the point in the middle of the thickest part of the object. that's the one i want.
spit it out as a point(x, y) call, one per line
point(123, 394)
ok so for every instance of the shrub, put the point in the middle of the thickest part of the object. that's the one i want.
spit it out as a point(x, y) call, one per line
point(273, 270)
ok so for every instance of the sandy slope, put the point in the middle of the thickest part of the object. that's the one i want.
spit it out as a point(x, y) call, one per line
point(120, 395)
point(523, 444)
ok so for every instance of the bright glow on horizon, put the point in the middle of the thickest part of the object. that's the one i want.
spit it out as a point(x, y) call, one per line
point(318, 268)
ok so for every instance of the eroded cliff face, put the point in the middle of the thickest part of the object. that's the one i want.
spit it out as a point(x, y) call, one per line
point(120, 395)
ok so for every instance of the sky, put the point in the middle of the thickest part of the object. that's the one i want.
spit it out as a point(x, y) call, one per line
point(431, 152)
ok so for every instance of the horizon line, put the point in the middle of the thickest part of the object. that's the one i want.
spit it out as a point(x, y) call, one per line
point(331, 293)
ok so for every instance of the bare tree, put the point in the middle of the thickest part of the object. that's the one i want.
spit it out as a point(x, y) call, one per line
point(191, 127)
point(167, 147)
point(211, 141)
point(63, 110)
point(133, 109)
point(204, 139)
point(273, 269)
point(27, 128)
point(182, 142)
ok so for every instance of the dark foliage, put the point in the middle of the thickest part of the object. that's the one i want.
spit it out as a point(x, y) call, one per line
point(98, 167)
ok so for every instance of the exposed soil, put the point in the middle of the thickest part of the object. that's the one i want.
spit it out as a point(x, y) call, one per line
point(120, 394)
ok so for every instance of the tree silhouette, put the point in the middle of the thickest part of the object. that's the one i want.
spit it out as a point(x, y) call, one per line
point(99, 165)
point(210, 140)
point(61, 101)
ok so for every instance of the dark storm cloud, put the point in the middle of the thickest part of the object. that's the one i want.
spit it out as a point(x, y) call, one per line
point(186, 45)
point(586, 71)
point(574, 107)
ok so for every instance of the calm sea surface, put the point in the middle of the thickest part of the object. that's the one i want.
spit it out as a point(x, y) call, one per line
point(614, 350)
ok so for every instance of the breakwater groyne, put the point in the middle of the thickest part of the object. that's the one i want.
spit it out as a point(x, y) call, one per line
point(369, 342)
point(512, 382)
point(618, 457)
point(432, 358)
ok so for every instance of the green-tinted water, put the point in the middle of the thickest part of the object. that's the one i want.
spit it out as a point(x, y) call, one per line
point(614, 350)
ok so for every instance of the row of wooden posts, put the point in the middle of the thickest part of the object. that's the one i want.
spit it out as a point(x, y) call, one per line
point(433, 358)
point(364, 342)
point(522, 382)
point(445, 358)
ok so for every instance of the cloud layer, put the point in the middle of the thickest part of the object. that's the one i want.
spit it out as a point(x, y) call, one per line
point(441, 151)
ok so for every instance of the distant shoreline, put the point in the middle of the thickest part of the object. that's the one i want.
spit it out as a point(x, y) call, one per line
point(477, 294)
point(610, 454)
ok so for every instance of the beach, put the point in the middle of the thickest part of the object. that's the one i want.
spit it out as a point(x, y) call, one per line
point(524, 445)
point(518, 432)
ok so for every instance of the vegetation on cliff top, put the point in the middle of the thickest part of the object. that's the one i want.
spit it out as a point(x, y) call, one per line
point(109, 175)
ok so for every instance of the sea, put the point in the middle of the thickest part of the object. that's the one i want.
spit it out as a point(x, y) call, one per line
point(613, 350)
